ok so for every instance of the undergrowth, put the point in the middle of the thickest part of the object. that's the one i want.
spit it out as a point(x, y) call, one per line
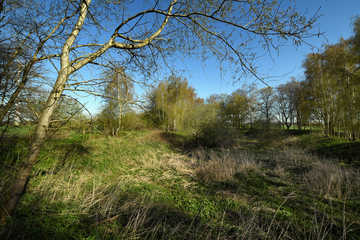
point(145, 186)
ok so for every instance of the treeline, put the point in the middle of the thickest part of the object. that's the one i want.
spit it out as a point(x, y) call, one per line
point(332, 86)
point(174, 101)
point(327, 97)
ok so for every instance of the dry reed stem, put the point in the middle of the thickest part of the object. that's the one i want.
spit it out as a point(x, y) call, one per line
point(222, 165)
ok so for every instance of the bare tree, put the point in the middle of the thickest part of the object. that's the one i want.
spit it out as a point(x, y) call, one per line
point(285, 104)
point(267, 102)
point(251, 102)
point(27, 27)
point(148, 39)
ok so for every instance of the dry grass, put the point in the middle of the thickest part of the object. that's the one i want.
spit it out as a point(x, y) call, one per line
point(276, 138)
point(332, 180)
point(223, 164)
point(292, 157)
point(322, 175)
point(117, 205)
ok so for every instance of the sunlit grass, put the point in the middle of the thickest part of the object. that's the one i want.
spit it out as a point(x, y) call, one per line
point(142, 185)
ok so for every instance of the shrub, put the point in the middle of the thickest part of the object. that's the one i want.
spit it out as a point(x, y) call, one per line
point(204, 127)
point(111, 125)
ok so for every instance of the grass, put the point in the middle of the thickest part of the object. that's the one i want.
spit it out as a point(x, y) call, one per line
point(22, 130)
point(146, 185)
point(348, 152)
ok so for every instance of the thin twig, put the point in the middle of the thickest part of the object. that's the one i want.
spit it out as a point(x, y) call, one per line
point(104, 221)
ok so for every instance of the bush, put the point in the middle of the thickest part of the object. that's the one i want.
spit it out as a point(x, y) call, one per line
point(205, 128)
point(133, 121)
point(110, 123)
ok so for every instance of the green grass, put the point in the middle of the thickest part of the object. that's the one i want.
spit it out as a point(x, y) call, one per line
point(348, 152)
point(22, 130)
point(145, 186)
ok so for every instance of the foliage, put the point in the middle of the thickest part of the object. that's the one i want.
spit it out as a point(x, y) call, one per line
point(32, 102)
point(142, 37)
point(130, 121)
point(288, 99)
point(236, 109)
point(170, 103)
point(21, 43)
point(10, 81)
point(332, 82)
point(208, 129)
point(118, 95)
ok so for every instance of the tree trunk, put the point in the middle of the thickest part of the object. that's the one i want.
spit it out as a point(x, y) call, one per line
point(19, 183)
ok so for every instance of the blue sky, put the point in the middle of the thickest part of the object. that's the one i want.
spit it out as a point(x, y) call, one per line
point(207, 79)
point(335, 23)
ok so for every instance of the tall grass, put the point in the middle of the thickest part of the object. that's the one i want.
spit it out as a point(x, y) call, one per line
point(138, 187)
point(222, 165)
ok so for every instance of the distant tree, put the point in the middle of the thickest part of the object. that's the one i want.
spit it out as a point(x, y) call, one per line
point(214, 102)
point(236, 108)
point(267, 103)
point(118, 95)
point(288, 103)
point(169, 102)
point(208, 129)
point(251, 93)
point(284, 106)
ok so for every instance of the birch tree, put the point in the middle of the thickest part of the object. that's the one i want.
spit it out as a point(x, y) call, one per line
point(147, 37)
point(332, 79)
point(118, 93)
point(170, 102)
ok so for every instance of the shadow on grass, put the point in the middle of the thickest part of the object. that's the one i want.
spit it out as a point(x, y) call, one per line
point(174, 140)
point(244, 207)
point(13, 150)
point(55, 221)
point(348, 151)
point(285, 204)
point(208, 138)
point(58, 154)
point(59, 221)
